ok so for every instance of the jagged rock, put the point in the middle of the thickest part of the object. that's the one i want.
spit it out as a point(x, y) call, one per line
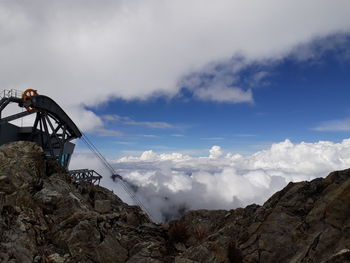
point(55, 258)
point(304, 222)
point(47, 217)
point(184, 260)
point(103, 206)
point(341, 256)
point(180, 246)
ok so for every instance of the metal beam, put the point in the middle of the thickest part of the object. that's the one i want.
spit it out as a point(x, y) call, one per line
point(45, 103)
point(48, 142)
point(5, 101)
point(16, 116)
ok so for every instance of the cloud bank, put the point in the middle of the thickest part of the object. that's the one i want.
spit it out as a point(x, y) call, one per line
point(169, 183)
point(84, 53)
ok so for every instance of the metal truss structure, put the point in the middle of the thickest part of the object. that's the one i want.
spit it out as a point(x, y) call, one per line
point(85, 175)
point(53, 130)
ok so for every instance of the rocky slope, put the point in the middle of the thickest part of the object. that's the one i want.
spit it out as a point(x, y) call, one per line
point(46, 217)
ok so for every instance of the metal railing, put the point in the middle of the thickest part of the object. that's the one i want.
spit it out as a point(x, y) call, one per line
point(7, 93)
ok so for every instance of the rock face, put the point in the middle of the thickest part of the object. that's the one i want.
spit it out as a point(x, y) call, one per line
point(46, 217)
point(305, 222)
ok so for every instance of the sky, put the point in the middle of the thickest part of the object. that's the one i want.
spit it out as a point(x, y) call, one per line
point(300, 100)
point(191, 99)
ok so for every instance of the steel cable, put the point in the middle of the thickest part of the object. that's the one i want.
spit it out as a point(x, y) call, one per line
point(124, 184)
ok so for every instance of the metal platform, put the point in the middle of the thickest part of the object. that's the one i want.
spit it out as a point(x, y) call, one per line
point(86, 175)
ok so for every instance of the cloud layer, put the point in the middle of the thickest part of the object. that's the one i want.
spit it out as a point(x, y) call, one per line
point(88, 52)
point(170, 182)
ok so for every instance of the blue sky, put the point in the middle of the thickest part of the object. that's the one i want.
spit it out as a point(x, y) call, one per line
point(291, 100)
point(183, 76)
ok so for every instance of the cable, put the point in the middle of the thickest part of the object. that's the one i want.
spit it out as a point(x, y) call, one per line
point(111, 169)
point(124, 184)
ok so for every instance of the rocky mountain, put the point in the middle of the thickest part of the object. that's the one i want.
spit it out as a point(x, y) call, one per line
point(47, 217)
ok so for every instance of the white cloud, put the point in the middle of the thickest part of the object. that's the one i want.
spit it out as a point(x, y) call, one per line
point(335, 125)
point(104, 132)
point(212, 138)
point(224, 94)
point(244, 135)
point(150, 124)
point(88, 52)
point(147, 135)
point(215, 152)
point(177, 135)
point(85, 119)
point(169, 182)
point(109, 132)
point(111, 117)
point(130, 121)
point(148, 156)
point(124, 142)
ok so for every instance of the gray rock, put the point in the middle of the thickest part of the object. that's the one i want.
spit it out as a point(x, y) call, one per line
point(55, 258)
point(45, 215)
point(103, 206)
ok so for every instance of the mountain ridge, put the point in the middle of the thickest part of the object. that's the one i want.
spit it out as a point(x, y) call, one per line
point(47, 217)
